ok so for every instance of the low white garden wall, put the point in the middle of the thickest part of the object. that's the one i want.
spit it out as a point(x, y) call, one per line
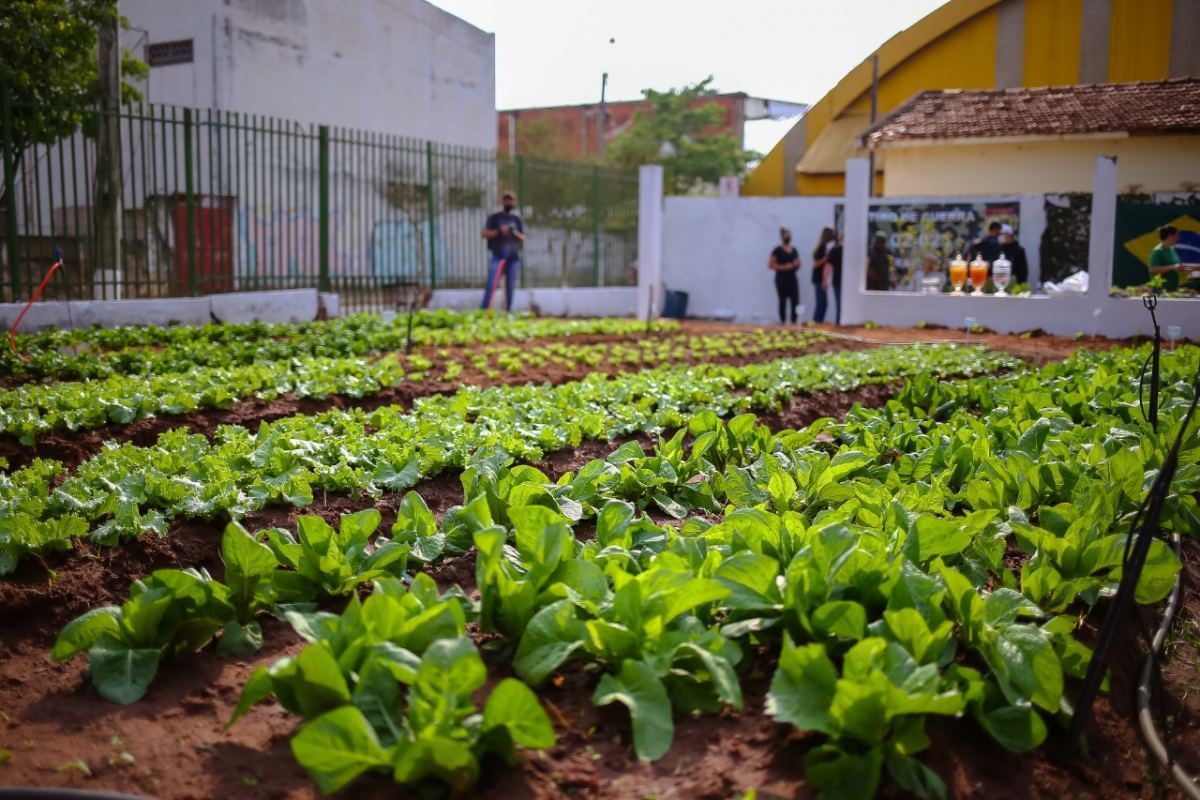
point(1063, 314)
point(605, 301)
point(287, 305)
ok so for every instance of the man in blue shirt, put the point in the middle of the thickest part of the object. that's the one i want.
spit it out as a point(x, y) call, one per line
point(504, 234)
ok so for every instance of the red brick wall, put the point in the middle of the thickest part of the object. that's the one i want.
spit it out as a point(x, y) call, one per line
point(569, 132)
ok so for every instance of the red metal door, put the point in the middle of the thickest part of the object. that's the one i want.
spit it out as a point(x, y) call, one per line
point(214, 247)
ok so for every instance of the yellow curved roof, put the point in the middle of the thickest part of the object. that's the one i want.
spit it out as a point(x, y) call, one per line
point(900, 48)
point(979, 44)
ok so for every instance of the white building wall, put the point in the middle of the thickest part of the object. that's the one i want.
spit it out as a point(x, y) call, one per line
point(396, 66)
point(716, 250)
point(1148, 164)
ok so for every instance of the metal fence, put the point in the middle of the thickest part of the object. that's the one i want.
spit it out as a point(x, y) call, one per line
point(217, 201)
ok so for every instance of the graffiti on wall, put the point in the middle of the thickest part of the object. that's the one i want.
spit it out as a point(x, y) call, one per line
point(282, 242)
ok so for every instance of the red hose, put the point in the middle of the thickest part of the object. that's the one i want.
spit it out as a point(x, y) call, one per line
point(12, 333)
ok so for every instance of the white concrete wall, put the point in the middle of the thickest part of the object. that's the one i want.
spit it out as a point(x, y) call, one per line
point(396, 66)
point(716, 250)
point(290, 305)
point(1064, 315)
point(614, 301)
point(651, 224)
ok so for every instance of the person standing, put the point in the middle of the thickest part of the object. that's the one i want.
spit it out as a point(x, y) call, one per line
point(1015, 253)
point(505, 234)
point(820, 273)
point(878, 265)
point(785, 263)
point(988, 248)
point(833, 264)
point(1165, 261)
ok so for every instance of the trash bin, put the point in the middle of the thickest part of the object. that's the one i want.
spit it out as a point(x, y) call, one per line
point(675, 304)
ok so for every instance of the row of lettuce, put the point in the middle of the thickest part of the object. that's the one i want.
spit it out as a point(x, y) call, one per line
point(128, 490)
point(935, 557)
point(98, 352)
point(33, 409)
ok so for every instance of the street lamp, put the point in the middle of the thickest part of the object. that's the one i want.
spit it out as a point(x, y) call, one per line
point(602, 116)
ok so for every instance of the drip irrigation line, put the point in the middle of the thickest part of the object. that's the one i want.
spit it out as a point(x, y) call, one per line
point(32, 793)
point(1142, 386)
point(1186, 783)
point(1142, 533)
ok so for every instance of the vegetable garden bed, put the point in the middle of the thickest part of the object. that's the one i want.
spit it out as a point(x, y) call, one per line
point(668, 596)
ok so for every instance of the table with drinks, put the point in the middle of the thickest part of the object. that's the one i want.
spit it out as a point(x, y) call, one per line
point(976, 273)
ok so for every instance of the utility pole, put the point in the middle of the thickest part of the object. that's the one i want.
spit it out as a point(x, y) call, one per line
point(874, 109)
point(601, 117)
point(108, 157)
point(602, 111)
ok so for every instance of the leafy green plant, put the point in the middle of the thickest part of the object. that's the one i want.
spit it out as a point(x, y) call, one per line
point(129, 490)
point(444, 736)
point(387, 686)
point(168, 613)
point(173, 612)
point(333, 562)
point(873, 715)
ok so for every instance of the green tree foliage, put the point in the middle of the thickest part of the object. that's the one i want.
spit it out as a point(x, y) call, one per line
point(50, 65)
point(681, 132)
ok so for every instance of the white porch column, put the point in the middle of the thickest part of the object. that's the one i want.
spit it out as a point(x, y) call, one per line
point(854, 241)
point(650, 234)
point(1104, 227)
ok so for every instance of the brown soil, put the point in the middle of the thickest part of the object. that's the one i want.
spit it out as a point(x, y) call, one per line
point(1036, 346)
point(72, 448)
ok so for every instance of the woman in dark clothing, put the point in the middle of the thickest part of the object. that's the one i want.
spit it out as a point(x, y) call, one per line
point(821, 272)
point(785, 262)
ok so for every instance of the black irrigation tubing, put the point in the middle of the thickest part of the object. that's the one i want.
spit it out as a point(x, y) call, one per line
point(1185, 782)
point(32, 793)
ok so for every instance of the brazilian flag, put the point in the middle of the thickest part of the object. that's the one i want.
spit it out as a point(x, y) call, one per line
point(1137, 234)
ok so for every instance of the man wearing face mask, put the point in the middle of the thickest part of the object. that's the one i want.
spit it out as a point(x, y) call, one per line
point(785, 262)
point(1015, 253)
point(504, 234)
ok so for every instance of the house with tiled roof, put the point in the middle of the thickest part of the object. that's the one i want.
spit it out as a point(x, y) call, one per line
point(1040, 140)
point(979, 44)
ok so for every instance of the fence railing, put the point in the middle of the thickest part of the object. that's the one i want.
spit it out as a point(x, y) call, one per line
point(217, 201)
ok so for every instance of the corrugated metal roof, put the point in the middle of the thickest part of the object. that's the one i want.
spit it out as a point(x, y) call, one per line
point(837, 142)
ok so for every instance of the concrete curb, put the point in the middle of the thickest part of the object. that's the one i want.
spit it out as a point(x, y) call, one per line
point(288, 305)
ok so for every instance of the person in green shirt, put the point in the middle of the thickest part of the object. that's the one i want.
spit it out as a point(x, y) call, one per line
point(1165, 261)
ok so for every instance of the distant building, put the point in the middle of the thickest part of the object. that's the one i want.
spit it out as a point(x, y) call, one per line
point(571, 132)
point(983, 44)
point(396, 66)
point(1013, 141)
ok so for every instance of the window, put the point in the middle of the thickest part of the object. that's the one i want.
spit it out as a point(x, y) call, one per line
point(164, 54)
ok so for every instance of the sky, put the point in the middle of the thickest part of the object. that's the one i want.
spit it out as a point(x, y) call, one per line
point(552, 52)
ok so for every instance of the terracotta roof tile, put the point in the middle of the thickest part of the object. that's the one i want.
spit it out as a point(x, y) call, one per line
point(1159, 107)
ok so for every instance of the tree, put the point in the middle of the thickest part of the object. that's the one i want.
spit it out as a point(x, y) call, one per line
point(682, 132)
point(49, 65)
